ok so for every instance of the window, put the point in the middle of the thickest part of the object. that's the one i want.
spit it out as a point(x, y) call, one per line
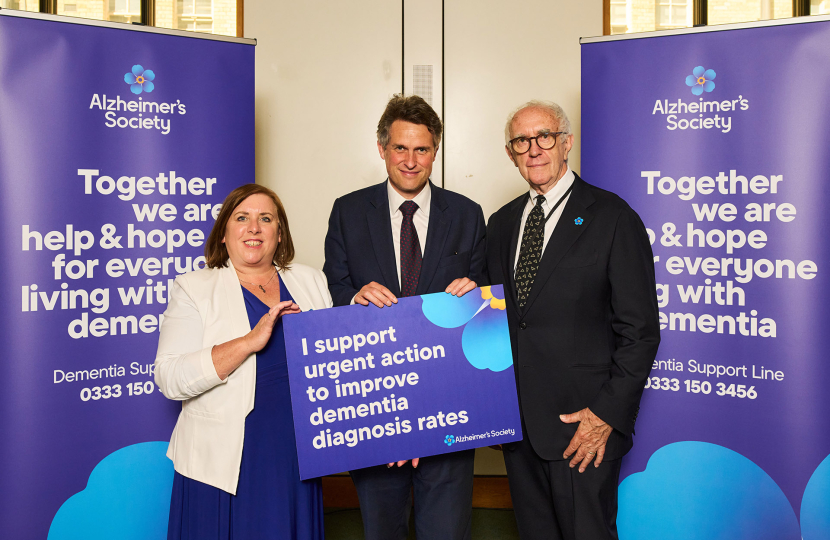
point(619, 16)
point(209, 16)
point(126, 11)
point(195, 15)
point(627, 16)
point(22, 5)
point(674, 14)
point(732, 11)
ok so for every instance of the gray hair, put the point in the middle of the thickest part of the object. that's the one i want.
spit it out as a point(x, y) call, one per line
point(550, 107)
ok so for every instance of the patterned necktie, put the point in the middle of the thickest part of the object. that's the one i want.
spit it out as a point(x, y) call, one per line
point(530, 252)
point(410, 251)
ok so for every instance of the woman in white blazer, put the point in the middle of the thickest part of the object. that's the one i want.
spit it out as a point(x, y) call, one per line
point(222, 353)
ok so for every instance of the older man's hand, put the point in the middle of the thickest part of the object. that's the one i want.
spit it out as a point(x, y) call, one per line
point(589, 440)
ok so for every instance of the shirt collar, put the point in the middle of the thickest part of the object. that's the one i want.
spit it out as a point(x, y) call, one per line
point(556, 191)
point(422, 199)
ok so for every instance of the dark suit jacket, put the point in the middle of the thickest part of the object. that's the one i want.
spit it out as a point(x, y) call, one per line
point(589, 332)
point(359, 246)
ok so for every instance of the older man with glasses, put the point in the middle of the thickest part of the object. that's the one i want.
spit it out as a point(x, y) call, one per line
point(582, 309)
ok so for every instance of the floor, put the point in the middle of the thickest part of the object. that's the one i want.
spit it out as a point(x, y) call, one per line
point(488, 524)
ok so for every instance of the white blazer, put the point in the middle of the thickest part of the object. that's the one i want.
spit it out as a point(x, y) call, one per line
point(207, 308)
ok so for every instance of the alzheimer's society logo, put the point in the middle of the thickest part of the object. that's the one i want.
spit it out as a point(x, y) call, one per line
point(701, 114)
point(449, 440)
point(140, 79)
point(153, 116)
point(700, 80)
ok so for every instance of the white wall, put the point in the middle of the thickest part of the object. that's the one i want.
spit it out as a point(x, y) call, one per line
point(499, 55)
point(423, 46)
point(329, 67)
point(325, 70)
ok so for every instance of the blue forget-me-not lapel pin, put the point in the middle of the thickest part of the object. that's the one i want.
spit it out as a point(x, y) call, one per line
point(578, 221)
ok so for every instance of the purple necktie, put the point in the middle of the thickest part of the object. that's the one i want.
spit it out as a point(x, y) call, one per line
point(410, 251)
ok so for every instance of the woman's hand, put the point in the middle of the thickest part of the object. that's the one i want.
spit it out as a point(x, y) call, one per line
point(229, 355)
point(259, 335)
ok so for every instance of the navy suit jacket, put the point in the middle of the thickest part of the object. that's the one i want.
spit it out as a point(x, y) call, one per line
point(589, 332)
point(359, 246)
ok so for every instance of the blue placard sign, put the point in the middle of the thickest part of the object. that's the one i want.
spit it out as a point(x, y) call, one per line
point(432, 374)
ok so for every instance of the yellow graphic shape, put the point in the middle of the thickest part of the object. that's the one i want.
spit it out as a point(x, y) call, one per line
point(495, 303)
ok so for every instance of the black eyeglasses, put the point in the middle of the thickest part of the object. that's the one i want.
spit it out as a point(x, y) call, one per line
point(546, 141)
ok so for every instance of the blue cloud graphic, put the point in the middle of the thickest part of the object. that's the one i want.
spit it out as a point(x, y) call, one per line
point(127, 497)
point(815, 504)
point(448, 311)
point(485, 340)
point(702, 491)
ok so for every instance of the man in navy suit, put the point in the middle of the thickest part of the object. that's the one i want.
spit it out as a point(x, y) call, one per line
point(582, 310)
point(404, 237)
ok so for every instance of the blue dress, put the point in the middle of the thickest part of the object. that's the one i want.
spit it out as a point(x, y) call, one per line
point(270, 502)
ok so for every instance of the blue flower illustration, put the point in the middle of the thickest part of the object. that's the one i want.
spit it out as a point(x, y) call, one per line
point(579, 221)
point(485, 340)
point(449, 440)
point(701, 80)
point(140, 79)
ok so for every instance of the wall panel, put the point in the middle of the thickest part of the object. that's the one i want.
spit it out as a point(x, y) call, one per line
point(324, 71)
point(496, 56)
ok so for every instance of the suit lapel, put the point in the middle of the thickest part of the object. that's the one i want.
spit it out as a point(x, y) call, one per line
point(567, 232)
point(380, 230)
point(297, 292)
point(439, 226)
point(509, 243)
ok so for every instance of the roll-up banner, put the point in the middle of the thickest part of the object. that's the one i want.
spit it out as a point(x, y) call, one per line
point(117, 146)
point(718, 138)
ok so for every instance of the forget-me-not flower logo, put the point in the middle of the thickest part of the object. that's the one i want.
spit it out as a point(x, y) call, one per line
point(140, 79)
point(579, 221)
point(701, 80)
point(449, 440)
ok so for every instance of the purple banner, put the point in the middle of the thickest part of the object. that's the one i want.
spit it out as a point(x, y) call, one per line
point(116, 149)
point(429, 375)
point(719, 141)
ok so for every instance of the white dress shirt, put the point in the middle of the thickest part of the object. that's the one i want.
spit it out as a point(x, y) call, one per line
point(420, 218)
point(551, 198)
